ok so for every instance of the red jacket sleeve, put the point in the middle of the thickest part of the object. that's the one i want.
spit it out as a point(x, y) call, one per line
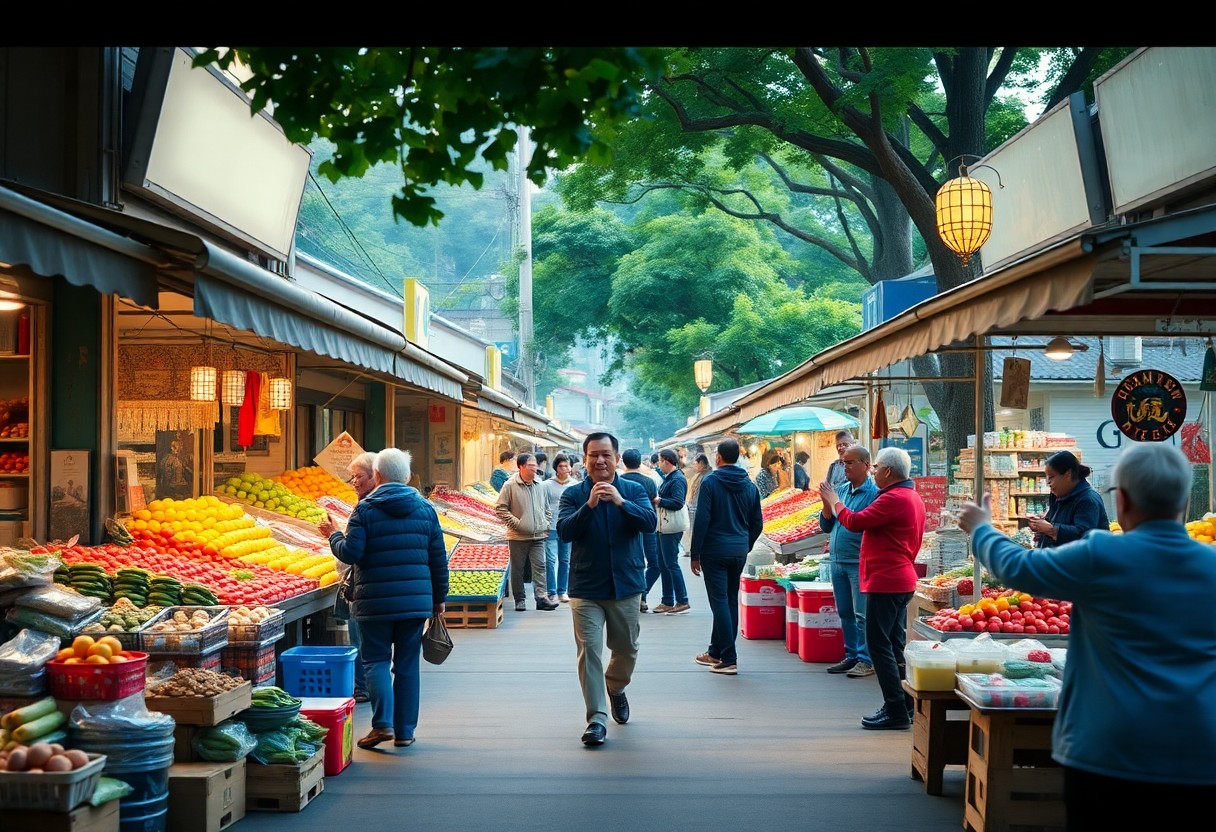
point(877, 513)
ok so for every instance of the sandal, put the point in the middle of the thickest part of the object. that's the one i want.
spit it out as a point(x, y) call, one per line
point(405, 743)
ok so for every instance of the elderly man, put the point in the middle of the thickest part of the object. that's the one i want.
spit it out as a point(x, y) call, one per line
point(1135, 717)
point(604, 518)
point(891, 531)
point(363, 481)
point(844, 549)
point(835, 474)
point(523, 506)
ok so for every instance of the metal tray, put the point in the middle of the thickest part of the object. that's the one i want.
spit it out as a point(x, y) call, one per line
point(923, 630)
point(192, 642)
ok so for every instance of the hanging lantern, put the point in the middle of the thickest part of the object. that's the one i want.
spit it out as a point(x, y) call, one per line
point(280, 394)
point(703, 372)
point(233, 386)
point(964, 214)
point(202, 384)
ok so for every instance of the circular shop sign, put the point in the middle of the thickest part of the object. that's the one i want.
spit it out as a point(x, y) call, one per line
point(1149, 406)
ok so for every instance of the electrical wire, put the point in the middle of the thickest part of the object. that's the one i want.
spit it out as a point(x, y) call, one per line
point(353, 239)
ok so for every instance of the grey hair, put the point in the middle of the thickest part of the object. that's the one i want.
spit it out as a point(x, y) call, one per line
point(365, 462)
point(1156, 478)
point(896, 460)
point(393, 465)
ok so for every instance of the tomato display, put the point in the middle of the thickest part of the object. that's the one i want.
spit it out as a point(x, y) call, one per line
point(1006, 611)
point(480, 556)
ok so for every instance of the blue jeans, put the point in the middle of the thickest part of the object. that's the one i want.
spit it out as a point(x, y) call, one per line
point(886, 635)
point(356, 641)
point(721, 576)
point(674, 589)
point(650, 542)
point(394, 694)
point(557, 564)
point(851, 605)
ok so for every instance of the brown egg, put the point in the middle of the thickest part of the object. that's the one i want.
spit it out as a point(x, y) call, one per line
point(38, 754)
point(58, 763)
point(56, 748)
point(78, 758)
point(17, 759)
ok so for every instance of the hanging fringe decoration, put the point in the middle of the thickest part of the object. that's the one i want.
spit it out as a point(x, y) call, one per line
point(145, 417)
point(1100, 373)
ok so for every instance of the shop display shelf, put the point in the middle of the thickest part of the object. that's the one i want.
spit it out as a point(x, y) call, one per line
point(475, 615)
point(923, 630)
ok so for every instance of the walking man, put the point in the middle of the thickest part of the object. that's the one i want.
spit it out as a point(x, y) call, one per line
point(603, 518)
point(844, 550)
point(632, 460)
point(524, 507)
point(891, 530)
point(727, 524)
point(506, 467)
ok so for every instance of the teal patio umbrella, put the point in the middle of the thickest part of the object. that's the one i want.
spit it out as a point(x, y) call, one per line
point(799, 419)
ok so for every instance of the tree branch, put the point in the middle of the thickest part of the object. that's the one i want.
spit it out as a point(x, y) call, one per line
point(927, 126)
point(997, 76)
point(800, 187)
point(843, 219)
point(1074, 78)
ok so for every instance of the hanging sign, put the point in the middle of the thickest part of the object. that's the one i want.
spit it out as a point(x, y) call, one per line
point(1149, 406)
point(336, 456)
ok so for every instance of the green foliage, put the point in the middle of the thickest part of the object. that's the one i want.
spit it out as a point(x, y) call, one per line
point(435, 111)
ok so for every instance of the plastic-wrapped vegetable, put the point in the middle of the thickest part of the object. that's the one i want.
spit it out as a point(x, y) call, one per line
point(310, 730)
point(225, 743)
point(128, 716)
point(61, 603)
point(109, 789)
point(40, 621)
point(28, 652)
point(21, 568)
point(282, 746)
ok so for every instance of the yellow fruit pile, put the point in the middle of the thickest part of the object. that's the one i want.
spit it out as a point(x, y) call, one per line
point(190, 519)
point(779, 494)
point(486, 495)
point(297, 562)
point(1202, 530)
point(314, 481)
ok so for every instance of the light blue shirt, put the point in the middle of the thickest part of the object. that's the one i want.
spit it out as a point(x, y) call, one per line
point(1139, 696)
point(845, 546)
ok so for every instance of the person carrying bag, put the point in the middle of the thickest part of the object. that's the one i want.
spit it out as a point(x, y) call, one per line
point(436, 641)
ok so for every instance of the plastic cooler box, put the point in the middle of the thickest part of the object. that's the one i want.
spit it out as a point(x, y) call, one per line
point(319, 671)
point(761, 608)
point(820, 638)
point(791, 621)
point(338, 715)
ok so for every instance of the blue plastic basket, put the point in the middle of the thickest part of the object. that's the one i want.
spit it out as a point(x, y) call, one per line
point(319, 671)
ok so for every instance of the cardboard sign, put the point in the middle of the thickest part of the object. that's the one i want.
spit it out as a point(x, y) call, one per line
point(932, 491)
point(337, 455)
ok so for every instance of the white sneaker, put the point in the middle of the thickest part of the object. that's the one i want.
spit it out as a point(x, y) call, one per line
point(563, 598)
point(860, 670)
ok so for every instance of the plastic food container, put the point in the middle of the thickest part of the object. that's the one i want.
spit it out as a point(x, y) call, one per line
point(338, 715)
point(263, 632)
point(97, 681)
point(931, 667)
point(992, 690)
point(51, 791)
point(980, 657)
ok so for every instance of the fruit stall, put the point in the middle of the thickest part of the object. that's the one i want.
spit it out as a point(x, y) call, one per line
point(791, 523)
point(477, 585)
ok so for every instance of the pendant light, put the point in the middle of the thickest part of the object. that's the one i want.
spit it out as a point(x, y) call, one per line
point(233, 386)
point(203, 378)
point(1059, 349)
point(280, 394)
point(964, 212)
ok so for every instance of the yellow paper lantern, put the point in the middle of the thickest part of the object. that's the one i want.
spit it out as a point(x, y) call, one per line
point(280, 394)
point(233, 385)
point(703, 372)
point(964, 215)
point(202, 384)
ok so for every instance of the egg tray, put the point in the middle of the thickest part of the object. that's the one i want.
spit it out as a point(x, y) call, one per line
point(51, 791)
point(193, 642)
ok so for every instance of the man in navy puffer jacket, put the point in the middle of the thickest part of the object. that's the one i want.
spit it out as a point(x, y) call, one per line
point(400, 580)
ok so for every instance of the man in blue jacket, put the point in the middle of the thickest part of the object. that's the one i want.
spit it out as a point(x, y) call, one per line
point(727, 525)
point(603, 518)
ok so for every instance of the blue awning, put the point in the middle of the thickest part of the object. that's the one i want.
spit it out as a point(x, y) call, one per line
point(50, 242)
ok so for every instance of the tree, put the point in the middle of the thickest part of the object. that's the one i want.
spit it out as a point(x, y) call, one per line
point(435, 110)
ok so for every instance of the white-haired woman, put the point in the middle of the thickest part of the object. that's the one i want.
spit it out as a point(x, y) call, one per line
point(891, 531)
point(394, 539)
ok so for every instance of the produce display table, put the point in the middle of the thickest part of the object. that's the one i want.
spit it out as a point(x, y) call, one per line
point(937, 740)
point(796, 550)
point(1012, 782)
point(922, 605)
point(300, 607)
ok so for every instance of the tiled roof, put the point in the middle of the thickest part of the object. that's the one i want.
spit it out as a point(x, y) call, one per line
point(1180, 357)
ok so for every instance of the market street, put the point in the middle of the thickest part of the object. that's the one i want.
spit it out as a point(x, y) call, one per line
point(498, 744)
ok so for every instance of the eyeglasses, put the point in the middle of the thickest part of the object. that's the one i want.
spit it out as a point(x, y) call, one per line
point(1111, 489)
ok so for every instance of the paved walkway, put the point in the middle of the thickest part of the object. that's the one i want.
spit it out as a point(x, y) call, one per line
point(778, 746)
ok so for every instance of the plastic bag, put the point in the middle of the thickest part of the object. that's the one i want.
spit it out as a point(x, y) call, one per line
point(19, 568)
point(24, 617)
point(109, 789)
point(281, 746)
point(224, 743)
point(61, 603)
point(28, 652)
point(128, 716)
point(310, 730)
point(436, 641)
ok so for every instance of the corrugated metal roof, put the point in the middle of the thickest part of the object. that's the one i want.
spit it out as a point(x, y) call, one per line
point(1180, 357)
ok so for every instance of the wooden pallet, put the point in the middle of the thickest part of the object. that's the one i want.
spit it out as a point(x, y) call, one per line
point(485, 615)
point(284, 788)
point(1012, 785)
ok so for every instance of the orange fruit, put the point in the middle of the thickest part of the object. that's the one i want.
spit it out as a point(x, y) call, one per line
point(116, 659)
point(96, 659)
point(65, 654)
point(81, 645)
point(115, 644)
point(103, 650)
point(73, 660)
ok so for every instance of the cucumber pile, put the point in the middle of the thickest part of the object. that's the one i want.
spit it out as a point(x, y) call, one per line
point(197, 595)
point(90, 579)
point(165, 591)
point(134, 584)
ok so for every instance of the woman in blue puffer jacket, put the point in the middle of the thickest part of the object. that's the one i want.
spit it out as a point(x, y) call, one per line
point(400, 580)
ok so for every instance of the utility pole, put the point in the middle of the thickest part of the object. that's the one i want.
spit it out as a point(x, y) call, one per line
point(522, 154)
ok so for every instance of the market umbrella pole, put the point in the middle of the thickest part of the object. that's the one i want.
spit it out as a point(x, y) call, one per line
point(977, 577)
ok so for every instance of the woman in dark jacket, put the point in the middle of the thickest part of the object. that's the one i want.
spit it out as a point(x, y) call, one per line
point(672, 492)
point(1073, 508)
point(401, 580)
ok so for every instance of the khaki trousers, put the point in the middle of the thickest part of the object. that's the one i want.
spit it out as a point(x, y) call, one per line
point(620, 622)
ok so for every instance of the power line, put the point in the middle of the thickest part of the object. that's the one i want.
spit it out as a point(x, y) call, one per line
point(353, 239)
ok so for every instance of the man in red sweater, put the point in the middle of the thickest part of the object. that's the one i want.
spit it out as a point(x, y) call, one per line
point(891, 530)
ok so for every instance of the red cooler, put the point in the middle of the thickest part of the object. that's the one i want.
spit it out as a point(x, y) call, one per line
point(338, 715)
point(820, 638)
point(791, 620)
point(761, 608)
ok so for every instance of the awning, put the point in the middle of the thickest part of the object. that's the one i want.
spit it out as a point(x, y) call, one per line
point(51, 242)
point(491, 401)
point(528, 417)
point(541, 441)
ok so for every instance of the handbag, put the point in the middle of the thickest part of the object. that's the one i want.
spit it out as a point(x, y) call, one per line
point(436, 641)
point(673, 522)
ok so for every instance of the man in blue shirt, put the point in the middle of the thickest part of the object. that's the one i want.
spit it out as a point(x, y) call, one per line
point(603, 518)
point(844, 548)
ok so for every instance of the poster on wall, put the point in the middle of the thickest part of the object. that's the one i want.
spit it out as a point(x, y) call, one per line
point(175, 464)
point(336, 456)
point(443, 457)
point(69, 495)
point(914, 445)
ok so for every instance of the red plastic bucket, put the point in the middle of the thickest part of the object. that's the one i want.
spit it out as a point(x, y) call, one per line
point(791, 621)
point(820, 638)
point(338, 715)
point(761, 608)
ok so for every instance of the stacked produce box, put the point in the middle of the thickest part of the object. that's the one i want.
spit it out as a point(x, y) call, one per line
point(477, 575)
point(792, 516)
point(469, 515)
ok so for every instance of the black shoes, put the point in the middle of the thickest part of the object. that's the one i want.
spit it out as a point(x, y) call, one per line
point(361, 695)
point(880, 720)
point(545, 605)
point(620, 707)
point(843, 667)
point(595, 734)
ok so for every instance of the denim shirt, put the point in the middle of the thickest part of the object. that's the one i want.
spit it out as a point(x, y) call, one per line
point(844, 545)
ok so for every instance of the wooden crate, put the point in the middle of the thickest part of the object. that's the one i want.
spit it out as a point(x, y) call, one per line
point(284, 788)
point(937, 740)
point(203, 710)
point(1012, 784)
point(486, 615)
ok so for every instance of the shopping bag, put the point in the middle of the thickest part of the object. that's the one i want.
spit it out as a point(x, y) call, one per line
point(673, 522)
point(436, 641)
